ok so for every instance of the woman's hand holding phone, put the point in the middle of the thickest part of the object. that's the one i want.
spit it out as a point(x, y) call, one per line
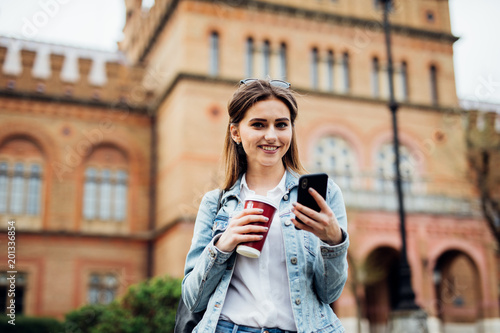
point(323, 224)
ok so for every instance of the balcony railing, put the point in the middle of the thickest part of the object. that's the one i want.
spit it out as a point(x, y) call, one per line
point(373, 193)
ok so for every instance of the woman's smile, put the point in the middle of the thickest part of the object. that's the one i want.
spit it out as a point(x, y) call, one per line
point(269, 149)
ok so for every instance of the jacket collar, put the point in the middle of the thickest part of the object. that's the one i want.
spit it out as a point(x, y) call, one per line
point(291, 180)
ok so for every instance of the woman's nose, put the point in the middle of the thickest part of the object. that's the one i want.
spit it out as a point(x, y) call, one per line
point(271, 135)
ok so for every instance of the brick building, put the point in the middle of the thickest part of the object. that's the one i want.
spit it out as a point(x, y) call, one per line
point(104, 157)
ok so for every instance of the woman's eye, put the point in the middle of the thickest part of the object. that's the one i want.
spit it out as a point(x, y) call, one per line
point(281, 125)
point(258, 125)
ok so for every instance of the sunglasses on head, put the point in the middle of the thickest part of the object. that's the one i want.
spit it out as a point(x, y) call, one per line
point(274, 83)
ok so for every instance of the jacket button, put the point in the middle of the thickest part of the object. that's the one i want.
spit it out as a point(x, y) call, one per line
point(288, 222)
point(285, 197)
point(297, 301)
point(293, 260)
point(212, 254)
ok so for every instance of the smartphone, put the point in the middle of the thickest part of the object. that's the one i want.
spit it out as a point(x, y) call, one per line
point(319, 182)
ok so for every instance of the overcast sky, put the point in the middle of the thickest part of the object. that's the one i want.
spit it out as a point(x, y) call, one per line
point(98, 24)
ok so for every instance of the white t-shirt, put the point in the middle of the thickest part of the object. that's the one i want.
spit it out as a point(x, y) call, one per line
point(259, 293)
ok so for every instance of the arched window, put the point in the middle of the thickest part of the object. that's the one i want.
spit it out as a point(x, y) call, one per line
point(375, 77)
point(434, 85)
point(4, 187)
point(249, 57)
point(283, 61)
point(314, 68)
point(334, 156)
point(346, 74)
point(34, 188)
point(214, 54)
point(385, 164)
point(266, 54)
point(17, 194)
point(21, 166)
point(120, 197)
point(330, 63)
point(404, 81)
point(20, 188)
point(90, 194)
point(379, 5)
point(105, 195)
point(106, 186)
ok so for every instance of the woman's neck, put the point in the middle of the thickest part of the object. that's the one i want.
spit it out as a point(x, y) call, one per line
point(262, 180)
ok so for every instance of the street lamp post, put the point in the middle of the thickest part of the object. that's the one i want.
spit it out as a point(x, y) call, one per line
point(406, 316)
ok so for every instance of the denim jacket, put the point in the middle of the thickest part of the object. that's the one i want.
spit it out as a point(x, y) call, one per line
point(317, 272)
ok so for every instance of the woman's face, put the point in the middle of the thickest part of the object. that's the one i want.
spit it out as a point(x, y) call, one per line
point(265, 133)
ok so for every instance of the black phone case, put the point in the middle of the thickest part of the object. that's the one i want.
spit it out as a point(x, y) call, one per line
point(318, 181)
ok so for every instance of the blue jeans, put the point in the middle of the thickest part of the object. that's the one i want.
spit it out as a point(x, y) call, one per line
point(227, 327)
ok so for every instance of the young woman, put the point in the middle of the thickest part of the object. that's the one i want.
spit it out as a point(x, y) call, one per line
point(300, 271)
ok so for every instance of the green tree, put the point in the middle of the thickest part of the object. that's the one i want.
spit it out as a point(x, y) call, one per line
point(147, 307)
point(483, 154)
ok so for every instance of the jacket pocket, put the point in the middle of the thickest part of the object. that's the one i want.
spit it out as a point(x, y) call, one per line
point(336, 327)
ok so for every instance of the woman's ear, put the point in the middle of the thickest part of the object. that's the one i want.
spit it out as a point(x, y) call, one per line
point(235, 133)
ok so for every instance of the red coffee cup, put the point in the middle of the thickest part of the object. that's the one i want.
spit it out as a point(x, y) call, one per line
point(253, 249)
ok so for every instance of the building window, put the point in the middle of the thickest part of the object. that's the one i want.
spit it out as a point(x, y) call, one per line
point(404, 81)
point(34, 188)
point(102, 288)
point(105, 195)
point(266, 53)
point(345, 69)
point(214, 54)
point(330, 63)
point(6, 293)
point(434, 85)
point(249, 57)
point(4, 187)
point(386, 168)
point(379, 4)
point(283, 61)
point(90, 194)
point(314, 68)
point(17, 193)
point(120, 196)
point(20, 188)
point(334, 156)
point(375, 77)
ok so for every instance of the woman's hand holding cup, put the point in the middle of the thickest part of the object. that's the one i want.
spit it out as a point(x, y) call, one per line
point(240, 229)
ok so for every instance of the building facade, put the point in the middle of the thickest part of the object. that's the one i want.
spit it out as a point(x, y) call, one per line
point(104, 157)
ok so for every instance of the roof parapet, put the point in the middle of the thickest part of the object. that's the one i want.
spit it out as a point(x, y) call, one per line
point(55, 71)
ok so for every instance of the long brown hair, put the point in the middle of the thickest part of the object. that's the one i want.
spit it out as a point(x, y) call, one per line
point(244, 98)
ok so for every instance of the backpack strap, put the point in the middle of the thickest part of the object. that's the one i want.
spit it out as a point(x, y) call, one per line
point(219, 203)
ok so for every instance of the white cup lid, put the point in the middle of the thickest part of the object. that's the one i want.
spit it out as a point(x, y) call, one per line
point(261, 198)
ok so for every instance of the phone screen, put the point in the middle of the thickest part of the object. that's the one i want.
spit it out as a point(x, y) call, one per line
point(318, 181)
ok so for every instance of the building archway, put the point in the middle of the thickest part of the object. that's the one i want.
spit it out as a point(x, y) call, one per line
point(458, 294)
point(380, 279)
